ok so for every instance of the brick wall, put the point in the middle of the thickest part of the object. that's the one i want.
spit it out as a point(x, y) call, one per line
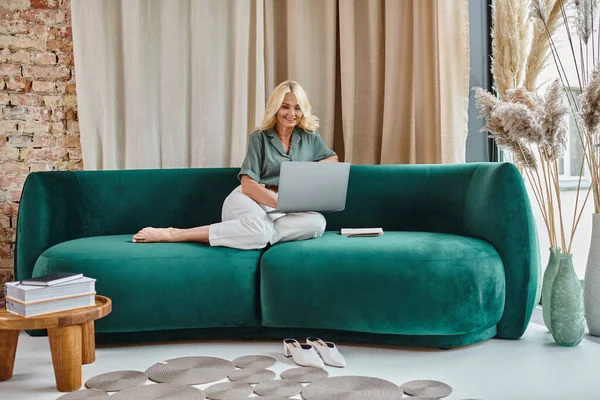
point(38, 123)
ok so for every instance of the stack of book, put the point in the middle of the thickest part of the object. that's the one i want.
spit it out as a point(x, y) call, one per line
point(50, 293)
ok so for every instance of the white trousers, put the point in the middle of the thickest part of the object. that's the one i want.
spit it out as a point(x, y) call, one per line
point(246, 224)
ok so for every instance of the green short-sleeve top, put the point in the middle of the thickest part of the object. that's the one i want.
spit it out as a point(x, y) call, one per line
point(265, 153)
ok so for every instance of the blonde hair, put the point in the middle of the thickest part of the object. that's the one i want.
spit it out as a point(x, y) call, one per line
point(308, 122)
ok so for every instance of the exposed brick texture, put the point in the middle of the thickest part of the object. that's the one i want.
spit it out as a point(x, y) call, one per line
point(38, 119)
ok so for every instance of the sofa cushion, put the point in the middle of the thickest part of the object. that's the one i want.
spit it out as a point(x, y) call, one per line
point(399, 283)
point(159, 286)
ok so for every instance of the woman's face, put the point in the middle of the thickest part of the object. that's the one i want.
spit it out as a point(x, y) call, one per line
point(289, 113)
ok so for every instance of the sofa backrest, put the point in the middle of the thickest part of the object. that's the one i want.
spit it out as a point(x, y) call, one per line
point(65, 205)
point(426, 198)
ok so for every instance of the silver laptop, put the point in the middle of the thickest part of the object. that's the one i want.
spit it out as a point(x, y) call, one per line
point(312, 186)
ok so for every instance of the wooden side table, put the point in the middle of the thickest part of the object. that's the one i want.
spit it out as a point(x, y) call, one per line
point(71, 336)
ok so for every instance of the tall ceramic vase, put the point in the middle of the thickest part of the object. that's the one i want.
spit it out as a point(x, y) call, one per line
point(549, 276)
point(591, 287)
point(540, 280)
point(566, 302)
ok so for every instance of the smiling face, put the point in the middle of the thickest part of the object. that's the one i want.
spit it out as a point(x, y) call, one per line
point(289, 113)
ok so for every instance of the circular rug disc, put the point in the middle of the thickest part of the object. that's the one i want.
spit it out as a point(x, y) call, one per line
point(304, 374)
point(278, 388)
point(426, 388)
point(116, 381)
point(252, 375)
point(190, 370)
point(352, 388)
point(261, 398)
point(254, 362)
point(422, 398)
point(85, 394)
point(227, 390)
point(162, 391)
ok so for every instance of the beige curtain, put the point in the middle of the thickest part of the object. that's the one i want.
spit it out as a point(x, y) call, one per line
point(182, 83)
point(404, 80)
point(300, 41)
point(166, 84)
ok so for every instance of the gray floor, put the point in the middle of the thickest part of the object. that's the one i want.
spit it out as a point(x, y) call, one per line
point(530, 368)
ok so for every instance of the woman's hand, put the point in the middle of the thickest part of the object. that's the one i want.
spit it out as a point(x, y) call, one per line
point(274, 203)
point(257, 192)
point(330, 159)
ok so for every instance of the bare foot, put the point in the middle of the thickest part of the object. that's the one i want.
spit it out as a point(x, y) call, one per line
point(149, 235)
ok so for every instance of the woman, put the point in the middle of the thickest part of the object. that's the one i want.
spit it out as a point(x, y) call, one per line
point(288, 132)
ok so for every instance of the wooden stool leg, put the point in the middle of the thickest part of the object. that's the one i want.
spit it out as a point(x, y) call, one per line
point(8, 349)
point(65, 346)
point(88, 342)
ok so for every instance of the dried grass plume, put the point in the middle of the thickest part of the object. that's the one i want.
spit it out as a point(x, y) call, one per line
point(519, 122)
point(510, 43)
point(546, 16)
point(590, 102)
point(525, 122)
point(554, 122)
point(585, 10)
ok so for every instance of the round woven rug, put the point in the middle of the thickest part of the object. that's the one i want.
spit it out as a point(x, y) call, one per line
point(227, 390)
point(304, 374)
point(261, 398)
point(252, 375)
point(352, 388)
point(254, 362)
point(116, 381)
point(278, 388)
point(421, 398)
point(190, 370)
point(160, 391)
point(427, 388)
point(84, 394)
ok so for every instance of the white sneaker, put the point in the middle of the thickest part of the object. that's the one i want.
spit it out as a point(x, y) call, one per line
point(328, 352)
point(303, 354)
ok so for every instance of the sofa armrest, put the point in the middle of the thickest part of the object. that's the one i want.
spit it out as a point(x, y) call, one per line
point(497, 209)
point(48, 215)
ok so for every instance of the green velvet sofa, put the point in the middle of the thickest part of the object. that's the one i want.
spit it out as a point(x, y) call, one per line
point(457, 263)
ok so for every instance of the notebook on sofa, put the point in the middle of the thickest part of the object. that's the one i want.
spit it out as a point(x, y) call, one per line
point(361, 232)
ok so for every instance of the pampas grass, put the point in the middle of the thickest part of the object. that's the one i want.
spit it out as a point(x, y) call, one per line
point(546, 18)
point(523, 96)
point(590, 102)
point(510, 43)
point(520, 123)
point(585, 15)
point(486, 102)
point(554, 121)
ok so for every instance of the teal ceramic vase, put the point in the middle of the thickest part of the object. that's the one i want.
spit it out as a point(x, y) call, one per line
point(566, 303)
point(549, 275)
